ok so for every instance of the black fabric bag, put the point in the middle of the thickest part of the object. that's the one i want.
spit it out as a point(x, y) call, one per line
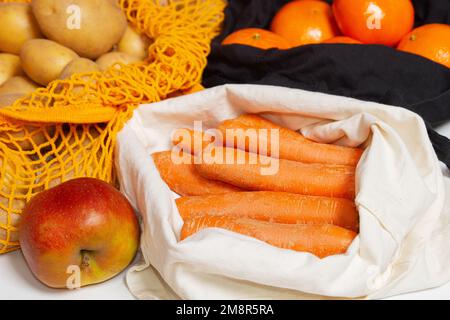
point(368, 72)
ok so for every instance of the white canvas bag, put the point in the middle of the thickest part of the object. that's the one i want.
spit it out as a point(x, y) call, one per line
point(404, 237)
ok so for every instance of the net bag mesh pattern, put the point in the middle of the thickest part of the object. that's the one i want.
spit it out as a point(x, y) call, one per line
point(69, 128)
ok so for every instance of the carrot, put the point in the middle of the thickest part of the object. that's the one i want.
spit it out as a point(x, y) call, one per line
point(279, 207)
point(192, 141)
point(292, 176)
point(184, 179)
point(320, 240)
point(292, 145)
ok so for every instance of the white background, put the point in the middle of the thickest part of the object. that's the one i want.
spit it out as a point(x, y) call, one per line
point(17, 282)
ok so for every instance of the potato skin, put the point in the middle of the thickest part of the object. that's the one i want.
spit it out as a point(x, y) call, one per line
point(13, 169)
point(44, 60)
point(111, 58)
point(9, 67)
point(102, 24)
point(18, 84)
point(134, 44)
point(17, 25)
point(8, 99)
point(78, 65)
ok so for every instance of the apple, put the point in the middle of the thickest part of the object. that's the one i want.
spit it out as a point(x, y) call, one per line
point(78, 233)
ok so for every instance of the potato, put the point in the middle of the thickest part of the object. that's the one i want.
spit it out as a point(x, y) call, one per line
point(73, 163)
point(89, 27)
point(9, 67)
point(35, 134)
point(13, 169)
point(17, 25)
point(17, 206)
point(14, 89)
point(79, 65)
point(109, 59)
point(58, 176)
point(134, 44)
point(44, 60)
point(7, 99)
point(18, 84)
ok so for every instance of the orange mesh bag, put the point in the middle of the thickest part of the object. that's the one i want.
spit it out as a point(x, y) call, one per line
point(68, 129)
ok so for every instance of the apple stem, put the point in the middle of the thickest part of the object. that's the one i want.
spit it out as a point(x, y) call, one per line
point(85, 259)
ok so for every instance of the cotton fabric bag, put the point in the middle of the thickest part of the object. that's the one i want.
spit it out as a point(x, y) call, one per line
point(401, 193)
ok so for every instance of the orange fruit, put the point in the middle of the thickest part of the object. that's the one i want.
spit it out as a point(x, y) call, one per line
point(342, 39)
point(431, 41)
point(374, 22)
point(258, 38)
point(305, 22)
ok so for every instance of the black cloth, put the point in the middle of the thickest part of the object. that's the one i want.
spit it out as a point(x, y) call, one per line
point(370, 72)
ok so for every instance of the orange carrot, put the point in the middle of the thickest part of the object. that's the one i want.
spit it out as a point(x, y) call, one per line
point(184, 179)
point(193, 142)
point(320, 240)
point(292, 145)
point(279, 207)
point(292, 176)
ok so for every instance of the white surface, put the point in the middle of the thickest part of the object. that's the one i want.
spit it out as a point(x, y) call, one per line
point(18, 283)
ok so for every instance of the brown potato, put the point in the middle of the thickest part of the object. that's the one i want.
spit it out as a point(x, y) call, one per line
point(109, 59)
point(17, 25)
point(7, 99)
point(20, 139)
point(134, 44)
point(35, 134)
point(13, 173)
point(73, 164)
point(9, 67)
point(79, 65)
point(18, 84)
point(44, 60)
point(89, 27)
point(17, 206)
point(115, 3)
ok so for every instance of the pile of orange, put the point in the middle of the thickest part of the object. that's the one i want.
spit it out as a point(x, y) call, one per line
point(383, 22)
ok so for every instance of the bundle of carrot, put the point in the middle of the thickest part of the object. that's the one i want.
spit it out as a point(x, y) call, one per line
point(306, 204)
